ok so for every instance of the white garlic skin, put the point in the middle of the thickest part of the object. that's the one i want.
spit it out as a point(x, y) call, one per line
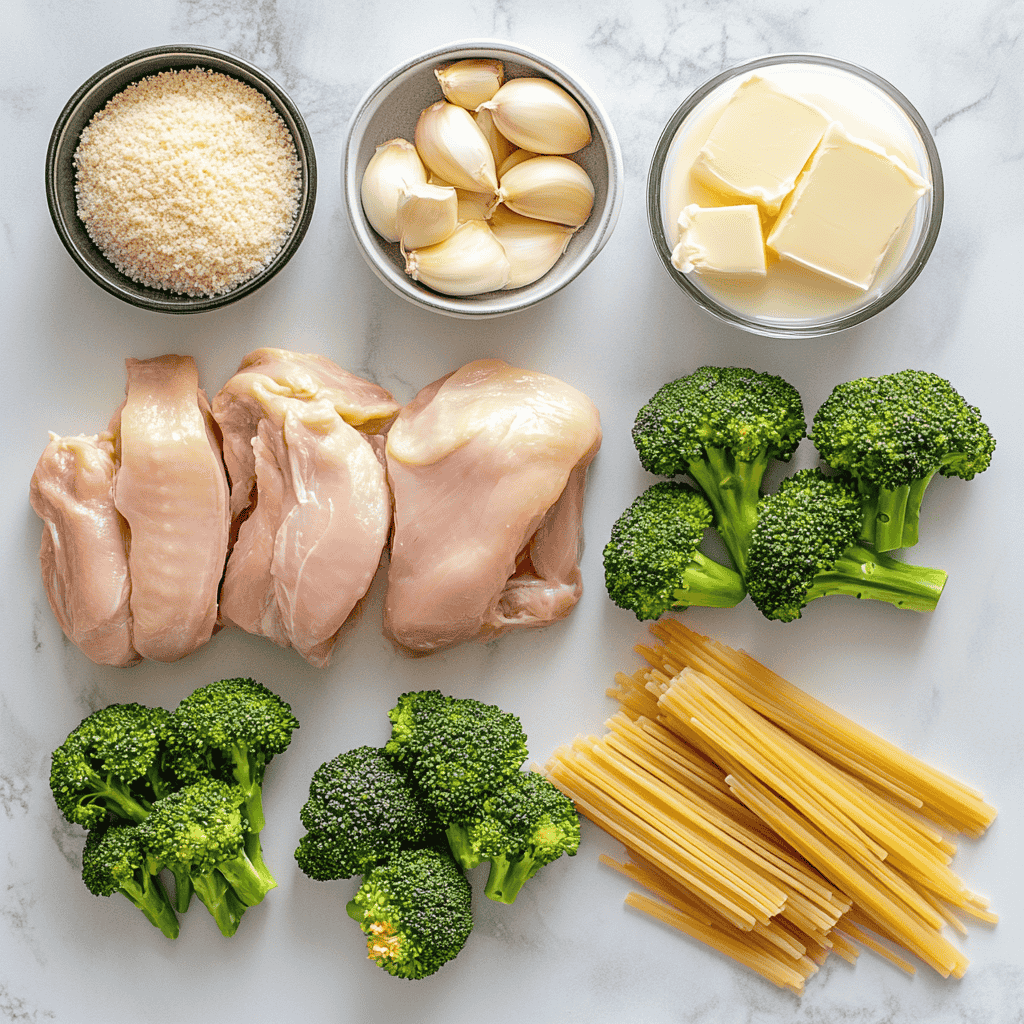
point(427, 214)
point(549, 188)
point(453, 147)
point(469, 262)
point(538, 115)
point(531, 246)
point(468, 83)
point(394, 167)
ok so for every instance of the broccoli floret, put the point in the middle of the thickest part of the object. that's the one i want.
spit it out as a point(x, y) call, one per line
point(231, 730)
point(721, 426)
point(456, 750)
point(522, 827)
point(361, 811)
point(415, 910)
point(652, 562)
point(112, 761)
point(892, 434)
point(199, 833)
point(806, 545)
point(114, 861)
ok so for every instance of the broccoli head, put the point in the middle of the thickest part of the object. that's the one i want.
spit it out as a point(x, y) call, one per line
point(652, 562)
point(361, 810)
point(199, 834)
point(415, 910)
point(114, 860)
point(806, 545)
point(721, 426)
point(891, 435)
point(520, 828)
point(112, 761)
point(456, 750)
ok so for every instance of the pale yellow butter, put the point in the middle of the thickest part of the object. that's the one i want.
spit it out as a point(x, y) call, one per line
point(846, 208)
point(760, 144)
point(720, 240)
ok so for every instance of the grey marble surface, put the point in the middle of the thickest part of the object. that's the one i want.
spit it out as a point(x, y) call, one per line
point(946, 686)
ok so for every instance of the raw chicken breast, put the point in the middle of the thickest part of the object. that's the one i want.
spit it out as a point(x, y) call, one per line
point(487, 467)
point(309, 496)
point(172, 490)
point(84, 549)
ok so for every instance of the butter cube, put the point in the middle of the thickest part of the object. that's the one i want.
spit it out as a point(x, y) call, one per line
point(760, 144)
point(846, 208)
point(720, 240)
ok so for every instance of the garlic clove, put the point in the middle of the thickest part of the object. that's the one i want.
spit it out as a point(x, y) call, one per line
point(549, 188)
point(468, 83)
point(453, 147)
point(394, 167)
point(468, 262)
point(500, 146)
point(427, 214)
point(472, 205)
point(517, 156)
point(532, 246)
point(536, 114)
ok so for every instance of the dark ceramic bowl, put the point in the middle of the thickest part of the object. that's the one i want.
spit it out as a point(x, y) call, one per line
point(93, 96)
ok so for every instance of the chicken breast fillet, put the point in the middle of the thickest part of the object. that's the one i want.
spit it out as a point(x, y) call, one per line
point(309, 496)
point(84, 554)
point(487, 469)
point(172, 491)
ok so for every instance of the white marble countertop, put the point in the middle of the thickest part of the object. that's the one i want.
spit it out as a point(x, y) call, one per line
point(945, 685)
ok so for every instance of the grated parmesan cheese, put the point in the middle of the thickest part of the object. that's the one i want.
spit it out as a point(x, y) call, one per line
point(188, 181)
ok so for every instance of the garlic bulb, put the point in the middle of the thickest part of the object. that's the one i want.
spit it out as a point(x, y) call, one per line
point(500, 146)
point(468, 83)
point(532, 246)
point(453, 147)
point(549, 188)
point(517, 156)
point(468, 262)
point(394, 167)
point(427, 214)
point(536, 114)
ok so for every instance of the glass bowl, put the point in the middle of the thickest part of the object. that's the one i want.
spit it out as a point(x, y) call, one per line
point(93, 96)
point(390, 110)
point(796, 303)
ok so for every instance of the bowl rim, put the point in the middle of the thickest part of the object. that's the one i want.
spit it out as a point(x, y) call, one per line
point(279, 100)
point(466, 307)
point(819, 326)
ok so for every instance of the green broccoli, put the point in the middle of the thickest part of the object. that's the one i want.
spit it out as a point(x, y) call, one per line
point(415, 910)
point(112, 761)
point(231, 730)
point(892, 434)
point(520, 828)
point(361, 811)
point(114, 861)
point(722, 426)
point(652, 562)
point(456, 750)
point(806, 545)
point(199, 833)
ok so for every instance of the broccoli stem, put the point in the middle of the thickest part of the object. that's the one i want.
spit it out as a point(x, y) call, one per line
point(864, 573)
point(733, 489)
point(709, 584)
point(220, 900)
point(116, 797)
point(151, 898)
point(912, 519)
point(507, 877)
point(249, 884)
point(463, 849)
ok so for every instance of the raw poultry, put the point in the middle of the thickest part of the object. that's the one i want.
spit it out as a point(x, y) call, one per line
point(487, 467)
point(309, 497)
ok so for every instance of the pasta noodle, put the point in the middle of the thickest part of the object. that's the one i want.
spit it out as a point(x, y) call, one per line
point(767, 825)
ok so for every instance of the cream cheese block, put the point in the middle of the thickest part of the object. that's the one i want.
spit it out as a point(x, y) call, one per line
point(846, 208)
point(760, 144)
point(720, 240)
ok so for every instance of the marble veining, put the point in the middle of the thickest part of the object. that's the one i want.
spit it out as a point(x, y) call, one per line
point(946, 686)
